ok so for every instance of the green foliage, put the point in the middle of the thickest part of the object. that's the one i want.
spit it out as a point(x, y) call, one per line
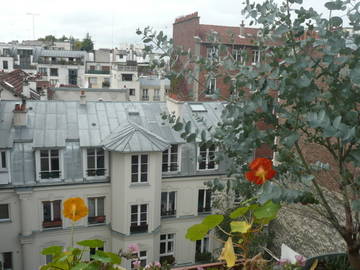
point(95, 243)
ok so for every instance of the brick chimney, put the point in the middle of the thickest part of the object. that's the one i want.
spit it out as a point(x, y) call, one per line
point(20, 114)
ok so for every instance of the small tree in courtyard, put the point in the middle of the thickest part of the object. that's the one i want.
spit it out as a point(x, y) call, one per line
point(307, 91)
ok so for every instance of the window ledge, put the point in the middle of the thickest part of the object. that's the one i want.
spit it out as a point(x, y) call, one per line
point(4, 170)
point(204, 170)
point(95, 178)
point(171, 172)
point(8, 220)
point(139, 184)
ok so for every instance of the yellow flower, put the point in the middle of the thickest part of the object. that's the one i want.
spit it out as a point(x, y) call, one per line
point(75, 209)
point(228, 253)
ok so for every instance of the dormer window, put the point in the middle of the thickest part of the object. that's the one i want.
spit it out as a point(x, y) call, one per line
point(170, 159)
point(207, 157)
point(95, 158)
point(49, 164)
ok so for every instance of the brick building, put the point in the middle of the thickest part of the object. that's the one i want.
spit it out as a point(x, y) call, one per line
point(203, 40)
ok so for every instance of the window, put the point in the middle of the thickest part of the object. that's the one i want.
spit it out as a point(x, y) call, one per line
point(93, 251)
point(167, 244)
point(95, 162)
point(4, 212)
point(54, 72)
point(170, 159)
point(73, 75)
point(5, 64)
point(238, 55)
point(210, 86)
point(6, 260)
point(156, 94)
point(127, 77)
point(131, 92)
point(256, 56)
point(141, 256)
point(207, 157)
point(92, 67)
point(49, 164)
point(48, 258)
point(168, 203)
point(212, 52)
point(204, 201)
point(106, 83)
point(96, 210)
point(138, 222)
point(145, 94)
point(202, 245)
point(52, 214)
point(3, 163)
point(43, 71)
point(139, 168)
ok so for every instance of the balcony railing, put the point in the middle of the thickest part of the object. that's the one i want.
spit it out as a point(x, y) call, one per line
point(138, 228)
point(60, 62)
point(52, 224)
point(168, 213)
point(126, 68)
point(91, 71)
point(156, 98)
point(48, 175)
point(145, 98)
point(95, 172)
point(96, 220)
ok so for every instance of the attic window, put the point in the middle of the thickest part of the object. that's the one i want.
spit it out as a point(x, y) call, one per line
point(197, 107)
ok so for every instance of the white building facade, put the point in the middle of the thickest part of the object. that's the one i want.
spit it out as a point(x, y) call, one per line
point(142, 182)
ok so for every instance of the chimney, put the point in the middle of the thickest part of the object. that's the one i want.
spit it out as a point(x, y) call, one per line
point(242, 30)
point(82, 97)
point(20, 113)
point(174, 106)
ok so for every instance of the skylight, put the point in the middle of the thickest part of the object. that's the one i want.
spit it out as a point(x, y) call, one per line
point(197, 107)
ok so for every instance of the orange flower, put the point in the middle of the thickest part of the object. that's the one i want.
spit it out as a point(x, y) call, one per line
point(75, 209)
point(260, 171)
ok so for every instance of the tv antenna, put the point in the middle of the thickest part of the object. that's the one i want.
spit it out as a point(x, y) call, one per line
point(33, 21)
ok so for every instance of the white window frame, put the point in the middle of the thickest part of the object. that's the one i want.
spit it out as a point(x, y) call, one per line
point(210, 85)
point(85, 166)
point(38, 165)
point(139, 173)
point(178, 163)
point(168, 202)
point(9, 213)
point(4, 155)
point(138, 218)
point(212, 52)
point(168, 242)
point(203, 247)
point(96, 208)
point(216, 165)
point(51, 213)
point(237, 55)
point(145, 94)
point(139, 258)
point(204, 200)
point(132, 92)
point(256, 57)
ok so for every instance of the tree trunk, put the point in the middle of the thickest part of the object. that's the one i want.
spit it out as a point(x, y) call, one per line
point(354, 258)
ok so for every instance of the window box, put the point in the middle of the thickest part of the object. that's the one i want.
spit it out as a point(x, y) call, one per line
point(52, 224)
point(96, 220)
point(49, 175)
point(95, 172)
point(169, 259)
point(168, 213)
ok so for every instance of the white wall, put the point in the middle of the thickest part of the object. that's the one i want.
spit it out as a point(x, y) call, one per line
point(90, 95)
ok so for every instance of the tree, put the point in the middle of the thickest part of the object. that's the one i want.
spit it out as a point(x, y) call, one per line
point(87, 44)
point(308, 91)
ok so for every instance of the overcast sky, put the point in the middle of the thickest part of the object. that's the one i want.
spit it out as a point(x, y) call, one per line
point(111, 22)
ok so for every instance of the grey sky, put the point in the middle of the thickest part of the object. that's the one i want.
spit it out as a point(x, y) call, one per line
point(111, 22)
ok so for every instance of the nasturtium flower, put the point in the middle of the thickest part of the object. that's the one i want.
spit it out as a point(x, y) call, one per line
point(228, 253)
point(260, 171)
point(75, 209)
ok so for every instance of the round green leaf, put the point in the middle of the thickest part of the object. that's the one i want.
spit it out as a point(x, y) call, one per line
point(197, 232)
point(268, 210)
point(53, 250)
point(240, 226)
point(95, 243)
point(239, 212)
point(212, 221)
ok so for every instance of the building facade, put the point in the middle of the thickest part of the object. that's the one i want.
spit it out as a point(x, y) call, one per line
point(141, 181)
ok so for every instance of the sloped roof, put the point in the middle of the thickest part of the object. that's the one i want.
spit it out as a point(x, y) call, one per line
point(13, 81)
point(62, 53)
point(134, 138)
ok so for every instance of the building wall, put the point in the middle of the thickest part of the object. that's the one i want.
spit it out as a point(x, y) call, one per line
point(7, 95)
point(63, 73)
point(90, 95)
point(10, 61)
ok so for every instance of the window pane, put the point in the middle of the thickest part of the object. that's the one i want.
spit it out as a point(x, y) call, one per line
point(144, 177)
point(4, 211)
point(144, 158)
point(7, 256)
point(174, 148)
point(100, 202)
point(143, 167)
point(44, 153)
point(91, 151)
point(142, 253)
point(47, 211)
point(201, 200)
point(134, 209)
point(55, 164)
point(44, 164)
point(144, 208)
point(57, 210)
point(208, 199)
point(91, 203)
point(3, 160)
point(162, 236)
point(54, 153)
point(172, 200)
point(162, 247)
point(91, 162)
point(100, 162)
point(198, 246)
point(134, 159)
